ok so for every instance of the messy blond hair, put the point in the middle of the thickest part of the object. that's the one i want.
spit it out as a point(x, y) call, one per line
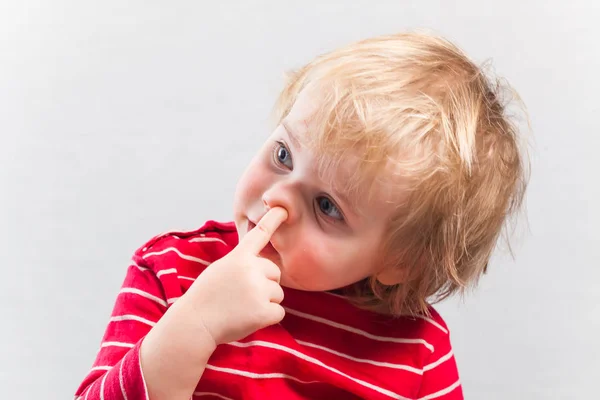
point(417, 103)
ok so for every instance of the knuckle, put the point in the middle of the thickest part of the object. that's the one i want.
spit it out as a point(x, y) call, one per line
point(255, 283)
point(280, 297)
point(263, 230)
point(279, 313)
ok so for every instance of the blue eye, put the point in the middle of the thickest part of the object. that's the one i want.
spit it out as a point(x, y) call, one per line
point(282, 155)
point(328, 208)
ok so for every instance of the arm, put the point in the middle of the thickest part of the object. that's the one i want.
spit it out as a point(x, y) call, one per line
point(116, 371)
point(152, 353)
point(148, 351)
point(175, 352)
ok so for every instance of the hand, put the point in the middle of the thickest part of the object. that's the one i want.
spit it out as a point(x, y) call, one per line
point(240, 293)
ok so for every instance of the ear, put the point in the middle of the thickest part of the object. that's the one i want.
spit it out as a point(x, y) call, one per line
point(390, 276)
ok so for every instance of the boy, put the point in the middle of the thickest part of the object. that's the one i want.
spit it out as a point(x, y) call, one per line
point(384, 186)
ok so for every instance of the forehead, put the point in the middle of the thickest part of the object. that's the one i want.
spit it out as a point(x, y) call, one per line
point(300, 118)
point(377, 191)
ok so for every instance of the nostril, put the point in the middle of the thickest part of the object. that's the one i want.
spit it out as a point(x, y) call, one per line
point(267, 207)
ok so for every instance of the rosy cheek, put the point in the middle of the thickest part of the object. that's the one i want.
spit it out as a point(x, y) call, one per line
point(313, 250)
point(247, 187)
point(326, 253)
point(250, 185)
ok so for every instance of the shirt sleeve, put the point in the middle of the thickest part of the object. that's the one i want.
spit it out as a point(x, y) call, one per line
point(116, 372)
point(440, 374)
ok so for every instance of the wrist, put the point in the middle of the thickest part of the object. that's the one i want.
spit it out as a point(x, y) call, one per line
point(192, 325)
point(174, 354)
point(207, 316)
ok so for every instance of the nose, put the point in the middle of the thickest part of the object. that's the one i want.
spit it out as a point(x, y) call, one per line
point(283, 195)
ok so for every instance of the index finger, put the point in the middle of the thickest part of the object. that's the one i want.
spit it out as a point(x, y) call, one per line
point(257, 238)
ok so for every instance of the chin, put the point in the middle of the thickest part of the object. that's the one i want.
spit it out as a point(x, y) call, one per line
point(290, 283)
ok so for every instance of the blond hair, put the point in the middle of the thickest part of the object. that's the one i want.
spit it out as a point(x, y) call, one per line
point(417, 102)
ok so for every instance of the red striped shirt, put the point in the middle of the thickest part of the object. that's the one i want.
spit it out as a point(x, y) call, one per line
point(325, 348)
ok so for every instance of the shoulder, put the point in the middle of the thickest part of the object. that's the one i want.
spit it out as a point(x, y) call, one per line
point(440, 371)
point(434, 355)
point(431, 329)
point(187, 252)
point(433, 325)
point(394, 352)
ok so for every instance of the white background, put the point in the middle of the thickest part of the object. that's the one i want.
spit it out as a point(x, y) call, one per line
point(122, 119)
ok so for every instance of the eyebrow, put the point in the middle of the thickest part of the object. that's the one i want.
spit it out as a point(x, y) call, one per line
point(351, 206)
point(291, 134)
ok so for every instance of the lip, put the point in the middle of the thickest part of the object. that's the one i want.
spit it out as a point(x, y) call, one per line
point(268, 251)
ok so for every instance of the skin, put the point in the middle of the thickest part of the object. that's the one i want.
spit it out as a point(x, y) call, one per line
point(325, 243)
point(294, 231)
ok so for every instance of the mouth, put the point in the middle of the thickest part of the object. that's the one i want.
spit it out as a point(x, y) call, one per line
point(268, 251)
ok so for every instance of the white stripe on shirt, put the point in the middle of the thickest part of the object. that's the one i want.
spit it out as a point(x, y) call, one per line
point(438, 362)
point(441, 392)
point(117, 344)
point(166, 272)
point(123, 391)
point(88, 391)
point(101, 368)
point(144, 294)
point(358, 331)
point(206, 239)
point(143, 269)
point(200, 394)
point(319, 363)
point(363, 360)
point(180, 254)
point(432, 322)
point(146, 396)
point(102, 386)
point(130, 317)
point(253, 375)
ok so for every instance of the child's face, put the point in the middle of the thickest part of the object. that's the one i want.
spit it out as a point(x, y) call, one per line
point(324, 244)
